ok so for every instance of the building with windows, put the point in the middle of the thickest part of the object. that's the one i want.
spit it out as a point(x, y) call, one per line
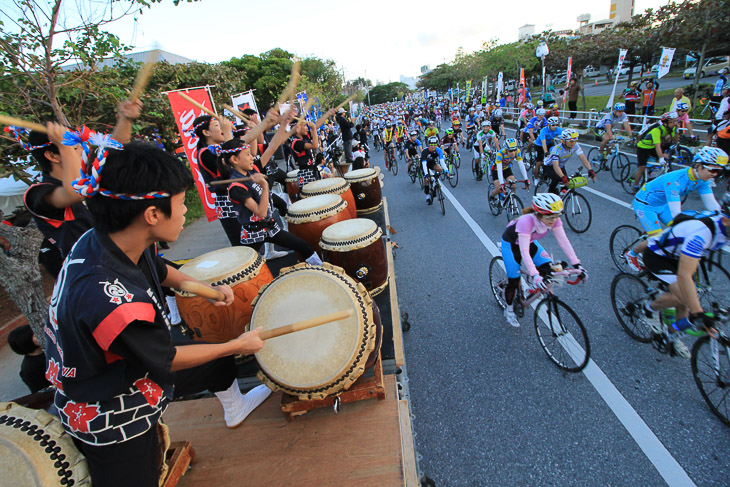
point(526, 31)
point(619, 11)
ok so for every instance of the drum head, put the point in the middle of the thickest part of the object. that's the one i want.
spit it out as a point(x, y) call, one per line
point(360, 174)
point(222, 266)
point(325, 186)
point(315, 208)
point(350, 235)
point(324, 358)
point(292, 174)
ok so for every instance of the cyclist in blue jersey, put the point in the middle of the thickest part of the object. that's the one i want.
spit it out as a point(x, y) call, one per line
point(533, 127)
point(502, 167)
point(545, 141)
point(660, 200)
point(432, 160)
point(606, 127)
point(559, 155)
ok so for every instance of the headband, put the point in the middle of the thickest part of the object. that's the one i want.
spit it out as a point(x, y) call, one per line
point(216, 149)
point(18, 131)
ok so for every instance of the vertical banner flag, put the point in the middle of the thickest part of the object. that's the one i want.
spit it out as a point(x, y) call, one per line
point(449, 91)
point(500, 87)
point(621, 57)
point(244, 101)
point(184, 114)
point(568, 75)
point(665, 61)
point(521, 99)
point(302, 101)
point(468, 90)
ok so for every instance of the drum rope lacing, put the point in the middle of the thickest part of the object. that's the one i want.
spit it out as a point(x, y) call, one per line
point(44, 440)
point(364, 238)
point(363, 344)
point(322, 211)
point(335, 190)
point(253, 269)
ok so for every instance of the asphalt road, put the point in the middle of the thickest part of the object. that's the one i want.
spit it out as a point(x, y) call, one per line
point(490, 408)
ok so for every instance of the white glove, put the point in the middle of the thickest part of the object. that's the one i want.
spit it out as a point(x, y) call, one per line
point(538, 282)
point(662, 161)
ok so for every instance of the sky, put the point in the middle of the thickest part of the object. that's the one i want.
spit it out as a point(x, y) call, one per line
point(375, 39)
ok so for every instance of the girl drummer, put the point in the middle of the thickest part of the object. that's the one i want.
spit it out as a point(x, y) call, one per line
point(253, 200)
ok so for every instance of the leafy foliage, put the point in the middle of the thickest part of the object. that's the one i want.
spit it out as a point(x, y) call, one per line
point(387, 92)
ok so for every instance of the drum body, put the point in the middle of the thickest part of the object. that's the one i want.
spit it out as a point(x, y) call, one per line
point(327, 359)
point(356, 246)
point(25, 437)
point(244, 270)
point(365, 186)
point(332, 186)
point(309, 217)
point(292, 185)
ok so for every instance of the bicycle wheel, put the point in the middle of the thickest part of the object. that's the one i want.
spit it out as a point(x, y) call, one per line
point(394, 166)
point(493, 202)
point(514, 207)
point(578, 212)
point(713, 285)
point(711, 370)
point(453, 175)
point(627, 177)
point(457, 159)
point(413, 172)
point(441, 199)
point(475, 167)
point(387, 160)
point(617, 165)
point(542, 185)
point(562, 335)
point(498, 280)
point(594, 159)
point(623, 238)
point(683, 156)
point(628, 294)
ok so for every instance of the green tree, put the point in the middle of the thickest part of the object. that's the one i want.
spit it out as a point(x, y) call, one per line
point(387, 92)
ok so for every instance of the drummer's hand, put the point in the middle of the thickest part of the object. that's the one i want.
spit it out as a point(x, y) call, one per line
point(227, 292)
point(249, 342)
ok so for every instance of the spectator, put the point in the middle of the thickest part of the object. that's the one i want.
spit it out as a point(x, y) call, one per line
point(679, 97)
point(33, 368)
point(574, 89)
point(648, 95)
point(631, 95)
point(346, 126)
point(559, 100)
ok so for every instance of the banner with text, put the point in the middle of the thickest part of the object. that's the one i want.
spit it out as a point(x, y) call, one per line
point(621, 57)
point(184, 114)
point(665, 61)
point(468, 90)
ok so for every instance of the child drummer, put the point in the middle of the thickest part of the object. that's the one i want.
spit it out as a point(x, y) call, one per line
point(108, 341)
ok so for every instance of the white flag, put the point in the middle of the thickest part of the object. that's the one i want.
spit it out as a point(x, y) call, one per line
point(665, 62)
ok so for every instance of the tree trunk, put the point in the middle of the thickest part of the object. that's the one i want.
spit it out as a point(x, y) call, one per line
point(583, 92)
point(21, 276)
point(698, 73)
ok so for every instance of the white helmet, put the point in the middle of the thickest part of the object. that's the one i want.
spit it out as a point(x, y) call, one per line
point(569, 134)
point(553, 121)
point(540, 111)
point(497, 113)
point(547, 204)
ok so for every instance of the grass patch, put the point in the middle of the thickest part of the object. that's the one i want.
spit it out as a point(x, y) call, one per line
point(195, 207)
point(663, 99)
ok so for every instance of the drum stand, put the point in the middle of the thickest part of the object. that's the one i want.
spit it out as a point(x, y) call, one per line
point(363, 388)
point(178, 458)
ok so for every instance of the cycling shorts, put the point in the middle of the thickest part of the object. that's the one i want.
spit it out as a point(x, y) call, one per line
point(506, 173)
point(513, 258)
point(651, 217)
point(661, 267)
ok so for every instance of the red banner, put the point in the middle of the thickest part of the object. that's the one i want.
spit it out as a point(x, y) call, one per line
point(568, 74)
point(521, 99)
point(184, 114)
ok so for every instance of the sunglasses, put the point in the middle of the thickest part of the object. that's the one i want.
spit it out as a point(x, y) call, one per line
point(714, 171)
point(552, 217)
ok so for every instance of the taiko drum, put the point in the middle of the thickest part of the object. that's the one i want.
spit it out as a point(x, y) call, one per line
point(338, 186)
point(309, 217)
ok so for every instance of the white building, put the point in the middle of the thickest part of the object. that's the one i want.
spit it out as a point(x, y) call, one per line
point(409, 80)
point(621, 11)
point(138, 57)
point(526, 31)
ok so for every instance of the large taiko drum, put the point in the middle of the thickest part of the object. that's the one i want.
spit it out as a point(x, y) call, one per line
point(292, 185)
point(331, 186)
point(35, 450)
point(324, 360)
point(365, 186)
point(356, 246)
point(309, 217)
point(244, 270)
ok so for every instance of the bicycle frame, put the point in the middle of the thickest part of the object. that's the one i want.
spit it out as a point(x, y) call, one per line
point(548, 291)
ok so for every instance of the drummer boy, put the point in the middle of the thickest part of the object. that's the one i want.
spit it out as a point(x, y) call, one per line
point(107, 338)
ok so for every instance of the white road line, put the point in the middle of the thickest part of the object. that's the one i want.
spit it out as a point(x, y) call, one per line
point(609, 198)
point(672, 472)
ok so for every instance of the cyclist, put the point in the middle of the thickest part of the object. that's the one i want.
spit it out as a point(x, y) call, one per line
point(497, 122)
point(413, 148)
point(519, 243)
point(652, 141)
point(400, 131)
point(502, 167)
point(456, 127)
point(660, 200)
point(431, 130)
point(388, 136)
point(471, 123)
point(606, 126)
point(486, 141)
point(559, 155)
point(544, 142)
point(533, 127)
point(432, 159)
point(526, 115)
point(673, 257)
point(683, 120)
point(448, 142)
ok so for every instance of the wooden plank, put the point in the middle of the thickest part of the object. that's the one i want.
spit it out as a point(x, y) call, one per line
point(408, 450)
point(361, 446)
point(400, 360)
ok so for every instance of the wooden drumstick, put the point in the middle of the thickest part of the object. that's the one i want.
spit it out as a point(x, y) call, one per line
point(226, 181)
point(143, 76)
point(202, 290)
point(237, 113)
point(196, 104)
point(5, 120)
point(291, 88)
point(348, 100)
point(305, 324)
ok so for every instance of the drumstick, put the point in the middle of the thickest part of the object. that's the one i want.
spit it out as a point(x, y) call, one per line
point(292, 86)
point(305, 324)
point(348, 100)
point(226, 181)
point(196, 104)
point(237, 113)
point(5, 120)
point(202, 290)
point(143, 76)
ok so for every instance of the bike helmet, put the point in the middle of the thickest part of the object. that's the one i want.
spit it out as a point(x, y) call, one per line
point(540, 103)
point(540, 112)
point(669, 116)
point(449, 132)
point(510, 144)
point(431, 122)
point(471, 109)
point(433, 140)
point(413, 133)
point(497, 113)
point(553, 121)
point(388, 123)
point(681, 106)
point(530, 106)
point(547, 204)
point(569, 134)
point(711, 156)
point(620, 107)
point(486, 123)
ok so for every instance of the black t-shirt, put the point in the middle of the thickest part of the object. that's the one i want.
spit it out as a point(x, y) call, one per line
point(33, 372)
point(302, 156)
point(209, 170)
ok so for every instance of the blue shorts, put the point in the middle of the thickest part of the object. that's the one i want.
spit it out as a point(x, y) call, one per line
point(512, 257)
point(651, 217)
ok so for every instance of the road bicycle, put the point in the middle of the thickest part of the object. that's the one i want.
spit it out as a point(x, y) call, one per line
point(416, 172)
point(470, 134)
point(453, 169)
point(455, 155)
point(480, 166)
point(377, 143)
point(577, 211)
point(711, 368)
point(436, 192)
point(676, 155)
point(614, 161)
point(400, 150)
point(507, 201)
point(391, 162)
point(559, 329)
